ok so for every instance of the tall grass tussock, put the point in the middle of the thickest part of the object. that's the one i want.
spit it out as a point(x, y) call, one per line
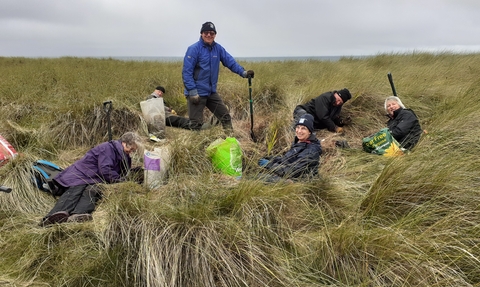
point(368, 220)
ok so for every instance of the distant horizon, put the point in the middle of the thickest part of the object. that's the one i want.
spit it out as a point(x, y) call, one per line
point(180, 58)
point(247, 58)
point(76, 56)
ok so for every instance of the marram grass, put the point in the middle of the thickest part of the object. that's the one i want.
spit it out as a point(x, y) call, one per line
point(366, 221)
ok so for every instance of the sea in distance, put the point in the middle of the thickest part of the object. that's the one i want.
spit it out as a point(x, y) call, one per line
point(244, 59)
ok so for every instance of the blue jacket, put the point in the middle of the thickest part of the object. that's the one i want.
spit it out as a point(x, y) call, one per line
point(201, 67)
point(302, 159)
point(105, 163)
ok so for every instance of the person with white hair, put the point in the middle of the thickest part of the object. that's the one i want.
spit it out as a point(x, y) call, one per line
point(403, 123)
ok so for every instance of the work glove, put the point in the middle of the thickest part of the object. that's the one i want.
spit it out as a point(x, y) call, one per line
point(194, 99)
point(342, 144)
point(263, 162)
point(173, 112)
point(250, 74)
point(346, 121)
point(339, 130)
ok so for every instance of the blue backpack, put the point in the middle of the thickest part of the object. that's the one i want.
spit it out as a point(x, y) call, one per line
point(43, 173)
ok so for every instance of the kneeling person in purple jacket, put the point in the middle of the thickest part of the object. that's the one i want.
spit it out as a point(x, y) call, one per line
point(108, 162)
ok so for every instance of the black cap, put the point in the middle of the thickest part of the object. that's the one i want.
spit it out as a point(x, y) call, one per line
point(160, 88)
point(344, 94)
point(208, 26)
point(306, 120)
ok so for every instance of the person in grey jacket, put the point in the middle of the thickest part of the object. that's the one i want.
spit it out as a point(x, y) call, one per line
point(200, 71)
point(303, 158)
point(108, 162)
point(403, 123)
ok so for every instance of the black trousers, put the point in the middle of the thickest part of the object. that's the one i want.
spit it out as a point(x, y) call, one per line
point(215, 104)
point(181, 122)
point(298, 112)
point(77, 199)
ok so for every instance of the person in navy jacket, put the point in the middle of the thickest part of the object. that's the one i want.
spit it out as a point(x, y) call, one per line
point(303, 158)
point(200, 76)
point(108, 162)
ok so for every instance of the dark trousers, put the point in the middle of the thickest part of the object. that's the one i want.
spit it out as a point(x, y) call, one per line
point(77, 199)
point(181, 122)
point(215, 104)
point(298, 112)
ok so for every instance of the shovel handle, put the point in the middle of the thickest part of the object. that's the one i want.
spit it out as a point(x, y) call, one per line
point(390, 79)
point(252, 135)
point(5, 189)
point(107, 106)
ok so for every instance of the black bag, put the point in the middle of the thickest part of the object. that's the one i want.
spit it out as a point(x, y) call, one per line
point(43, 173)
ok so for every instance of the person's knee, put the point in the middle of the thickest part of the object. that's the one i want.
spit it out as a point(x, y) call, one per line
point(93, 192)
point(195, 114)
point(298, 113)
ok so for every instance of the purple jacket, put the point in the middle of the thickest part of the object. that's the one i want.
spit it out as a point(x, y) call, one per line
point(105, 163)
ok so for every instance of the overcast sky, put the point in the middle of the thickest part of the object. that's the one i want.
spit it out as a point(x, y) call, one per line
point(246, 28)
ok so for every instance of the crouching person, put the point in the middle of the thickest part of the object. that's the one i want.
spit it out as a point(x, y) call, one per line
point(108, 162)
point(303, 158)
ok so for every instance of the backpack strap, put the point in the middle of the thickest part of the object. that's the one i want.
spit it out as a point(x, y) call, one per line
point(46, 171)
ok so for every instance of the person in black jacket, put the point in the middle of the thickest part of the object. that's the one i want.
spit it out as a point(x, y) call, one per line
point(303, 158)
point(325, 110)
point(403, 123)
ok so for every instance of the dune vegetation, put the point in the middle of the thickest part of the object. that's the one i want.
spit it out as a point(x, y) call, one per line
point(369, 220)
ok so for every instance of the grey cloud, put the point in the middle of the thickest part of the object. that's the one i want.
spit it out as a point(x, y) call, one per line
point(246, 28)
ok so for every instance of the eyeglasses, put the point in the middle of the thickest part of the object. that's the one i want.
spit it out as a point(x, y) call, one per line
point(211, 33)
point(131, 148)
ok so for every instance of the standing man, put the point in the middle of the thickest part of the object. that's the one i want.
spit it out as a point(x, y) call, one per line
point(171, 118)
point(325, 110)
point(200, 76)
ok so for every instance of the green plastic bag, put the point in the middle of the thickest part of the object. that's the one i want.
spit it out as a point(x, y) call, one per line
point(226, 156)
point(382, 143)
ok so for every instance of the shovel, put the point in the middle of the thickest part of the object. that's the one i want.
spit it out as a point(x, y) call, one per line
point(5, 189)
point(252, 135)
point(107, 107)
